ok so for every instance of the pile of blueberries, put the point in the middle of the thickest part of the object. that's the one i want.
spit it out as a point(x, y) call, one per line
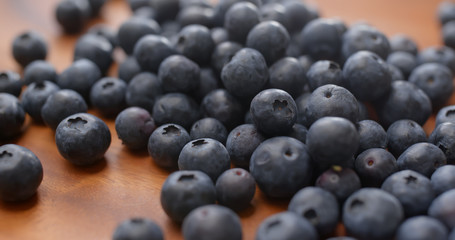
point(297, 103)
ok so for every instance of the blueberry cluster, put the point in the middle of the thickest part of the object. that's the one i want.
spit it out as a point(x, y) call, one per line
point(306, 108)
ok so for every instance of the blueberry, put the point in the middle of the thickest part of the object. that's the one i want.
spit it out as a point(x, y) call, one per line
point(95, 6)
point(274, 11)
point(39, 71)
point(330, 100)
point(404, 61)
point(287, 74)
point(206, 155)
point(10, 82)
point(138, 228)
point(240, 18)
point(209, 128)
point(241, 143)
point(108, 96)
point(421, 228)
point(341, 182)
point(321, 39)
point(298, 15)
point(60, 105)
point(372, 213)
point(371, 134)
point(448, 34)
point(301, 102)
point(318, 206)
point(332, 141)
point(195, 14)
point(136, 4)
point(219, 35)
point(195, 42)
point(104, 31)
point(274, 111)
point(151, 50)
point(21, 173)
point(34, 97)
point(184, 191)
point(442, 208)
point(176, 108)
point(28, 47)
point(446, 11)
point(445, 114)
point(443, 179)
point(443, 55)
point(165, 9)
point(402, 42)
point(166, 143)
point(324, 72)
point(223, 6)
point(72, 15)
point(281, 166)
point(12, 116)
point(235, 188)
point(395, 72)
point(365, 37)
point(412, 189)
point(306, 61)
point(134, 126)
point(443, 136)
point(208, 81)
point(212, 222)
point(143, 90)
point(374, 165)
point(286, 226)
point(404, 101)
point(220, 104)
point(132, 30)
point(245, 74)
point(223, 53)
point(80, 77)
point(96, 49)
point(402, 134)
point(178, 74)
point(366, 75)
point(128, 69)
point(298, 132)
point(270, 38)
point(423, 158)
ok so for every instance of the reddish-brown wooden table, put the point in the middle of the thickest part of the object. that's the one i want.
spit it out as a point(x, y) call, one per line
point(87, 203)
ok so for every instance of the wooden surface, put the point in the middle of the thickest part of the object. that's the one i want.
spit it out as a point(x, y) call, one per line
point(88, 203)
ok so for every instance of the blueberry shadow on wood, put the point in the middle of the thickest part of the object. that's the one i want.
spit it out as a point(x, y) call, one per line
point(21, 205)
point(91, 169)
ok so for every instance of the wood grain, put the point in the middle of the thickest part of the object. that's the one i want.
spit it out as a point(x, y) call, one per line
point(88, 203)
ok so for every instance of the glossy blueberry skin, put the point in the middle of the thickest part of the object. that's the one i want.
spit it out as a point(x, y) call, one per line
point(235, 188)
point(220, 104)
point(240, 18)
point(212, 222)
point(39, 71)
point(184, 191)
point(96, 49)
point(332, 141)
point(404, 61)
point(82, 139)
point(206, 155)
point(371, 134)
point(365, 37)
point(443, 55)
point(412, 189)
point(245, 74)
point(80, 77)
point(29, 46)
point(286, 226)
point(372, 213)
point(223, 53)
point(287, 74)
point(138, 228)
point(179, 74)
point(241, 143)
point(281, 166)
point(106, 32)
point(151, 50)
point(176, 108)
point(374, 165)
point(208, 81)
point(134, 126)
point(443, 179)
point(271, 39)
point(34, 97)
point(298, 15)
point(132, 30)
point(421, 228)
point(366, 75)
point(324, 72)
point(108, 96)
point(143, 90)
point(404, 43)
point(21, 173)
point(330, 100)
point(404, 101)
point(209, 128)
point(341, 182)
point(10, 82)
point(195, 42)
point(445, 114)
point(12, 116)
point(128, 69)
point(73, 15)
point(222, 7)
point(402, 134)
point(195, 14)
point(60, 105)
point(423, 158)
point(318, 206)
point(321, 40)
point(442, 208)
point(166, 143)
point(443, 136)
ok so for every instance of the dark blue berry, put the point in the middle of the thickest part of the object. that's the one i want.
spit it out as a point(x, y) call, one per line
point(241, 143)
point(374, 165)
point(235, 188)
point(39, 71)
point(132, 30)
point(138, 228)
point(166, 143)
point(35, 96)
point(143, 90)
point(421, 228)
point(209, 128)
point(134, 126)
point(28, 47)
point(443, 136)
point(286, 226)
point(10, 82)
point(12, 116)
point(108, 96)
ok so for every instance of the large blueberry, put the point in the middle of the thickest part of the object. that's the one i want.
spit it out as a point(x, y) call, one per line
point(151, 50)
point(132, 30)
point(324, 72)
point(235, 188)
point(241, 143)
point(240, 19)
point(34, 97)
point(321, 39)
point(402, 134)
point(108, 96)
point(138, 228)
point(374, 165)
point(166, 143)
point(442, 208)
point(443, 179)
point(371, 134)
point(134, 126)
point(286, 226)
point(421, 228)
point(143, 90)
point(423, 158)
point(341, 182)
point(12, 116)
point(179, 74)
point(176, 108)
point(10, 82)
